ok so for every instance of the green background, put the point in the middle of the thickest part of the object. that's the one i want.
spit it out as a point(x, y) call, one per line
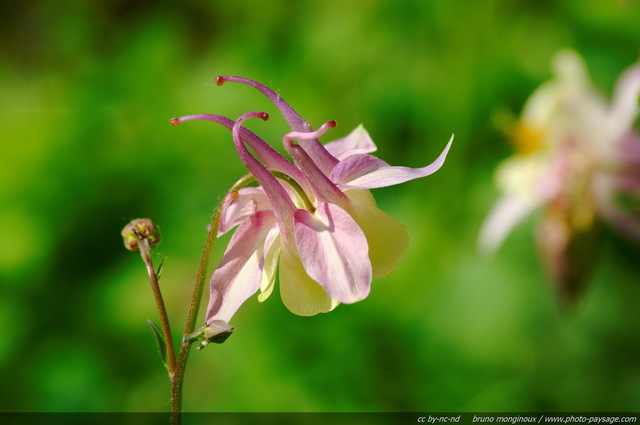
point(87, 92)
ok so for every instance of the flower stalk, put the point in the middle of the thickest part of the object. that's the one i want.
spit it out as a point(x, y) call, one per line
point(138, 236)
point(145, 253)
point(142, 235)
point(196, 299)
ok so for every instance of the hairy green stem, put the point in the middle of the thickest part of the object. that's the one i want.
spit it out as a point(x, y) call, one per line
point(196, 299)
point(177, 378)
point(172, 364)
point(145, 253)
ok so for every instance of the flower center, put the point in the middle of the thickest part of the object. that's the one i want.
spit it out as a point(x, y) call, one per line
point(527, 139)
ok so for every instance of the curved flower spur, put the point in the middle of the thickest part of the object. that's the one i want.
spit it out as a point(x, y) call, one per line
point(314, 218)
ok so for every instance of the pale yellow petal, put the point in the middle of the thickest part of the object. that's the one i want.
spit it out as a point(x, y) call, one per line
point(388, 240)
point(520, 176)
point(272, 244)
point(301, 294)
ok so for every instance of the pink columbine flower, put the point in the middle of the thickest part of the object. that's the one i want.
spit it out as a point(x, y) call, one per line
point(577, 155)
point(326, 235)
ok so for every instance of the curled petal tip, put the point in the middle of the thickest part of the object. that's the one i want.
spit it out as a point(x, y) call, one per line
point(219, 80)
point(247, 115)
point(323, 129)
point(297, 135)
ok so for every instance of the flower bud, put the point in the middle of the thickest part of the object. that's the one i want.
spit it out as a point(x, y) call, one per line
point(217, 332)
point(139, 229)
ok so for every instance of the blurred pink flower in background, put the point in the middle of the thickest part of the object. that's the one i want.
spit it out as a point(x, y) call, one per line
point(578, 159)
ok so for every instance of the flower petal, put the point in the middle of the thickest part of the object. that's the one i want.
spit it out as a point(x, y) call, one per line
point(358, 141)
point(239, 206)
point(505, 215)
point(368, 172)
point(269, 156)
point(281, 203)
point(325, 190)
point(625, 107)
point(240, 272)
point(272, 249)
point(388, 240)
point(295, 121)
point(334, 252)
point(323, 158)
point(301, 294)
point(607, 189)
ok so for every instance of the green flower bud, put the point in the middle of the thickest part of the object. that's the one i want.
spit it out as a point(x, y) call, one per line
point(215, 332)
point(218, 331)
point(138, 229)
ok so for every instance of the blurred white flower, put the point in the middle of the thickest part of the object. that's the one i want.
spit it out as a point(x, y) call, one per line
point(577, 156)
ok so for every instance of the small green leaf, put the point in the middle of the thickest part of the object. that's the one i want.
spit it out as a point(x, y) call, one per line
point(160, 342)
point(159, 272)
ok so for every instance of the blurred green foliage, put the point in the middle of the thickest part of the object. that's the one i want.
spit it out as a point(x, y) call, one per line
point(88, 89)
